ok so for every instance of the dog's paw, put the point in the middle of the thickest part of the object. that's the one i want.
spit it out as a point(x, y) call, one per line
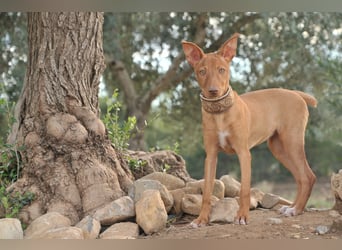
point(198, 223)
point(241, 221)
point(288, 211)
point(242, 217)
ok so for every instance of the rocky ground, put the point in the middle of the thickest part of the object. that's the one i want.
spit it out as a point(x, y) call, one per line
point(264, 224)
point(161, 205)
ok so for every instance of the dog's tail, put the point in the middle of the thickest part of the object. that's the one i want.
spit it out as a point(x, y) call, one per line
point(310, 100)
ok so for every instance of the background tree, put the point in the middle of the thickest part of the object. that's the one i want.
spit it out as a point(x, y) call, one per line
point(13, 51)
point(145, 60)
point(68, 163)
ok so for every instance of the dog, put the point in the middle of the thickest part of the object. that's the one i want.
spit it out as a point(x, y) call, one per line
point(235, 123)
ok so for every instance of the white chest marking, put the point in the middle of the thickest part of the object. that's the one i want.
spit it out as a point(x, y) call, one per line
point(222, 138)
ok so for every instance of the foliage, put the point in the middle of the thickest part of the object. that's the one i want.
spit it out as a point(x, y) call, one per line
point(10, 163)
point(10, 166)
point(136, 164)
point(118, 132)
point(13, 203)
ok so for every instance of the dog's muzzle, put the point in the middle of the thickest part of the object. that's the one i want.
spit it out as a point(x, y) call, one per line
point(218, 105)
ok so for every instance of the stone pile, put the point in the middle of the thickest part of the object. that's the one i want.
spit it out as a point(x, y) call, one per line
point(145, 210)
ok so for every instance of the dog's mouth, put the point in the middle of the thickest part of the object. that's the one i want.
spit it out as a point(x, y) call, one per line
point(216, 99)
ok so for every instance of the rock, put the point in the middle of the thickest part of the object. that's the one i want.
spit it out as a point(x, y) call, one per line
point(116, 211)
point(196, 187)
point(90, 227)
point(44, 223)
point(169, 181)
point(139, 186)
point(30, 213)
point(336, 227)
point(150, 211)
point(232, 186)
point(334, 214)
point(321, 230)
point(297, 226)
point(336, 186)
point(224, 210)
point(192, 203)
point(269, 200)
point(10, 228)
point(123, 230)
point(177, 195)
point(2, 211)
point(257, 194)
point(67, 233)
point(274, 221)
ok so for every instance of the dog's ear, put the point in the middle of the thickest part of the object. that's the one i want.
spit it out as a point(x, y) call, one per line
point(228, 49)
point(192, 52)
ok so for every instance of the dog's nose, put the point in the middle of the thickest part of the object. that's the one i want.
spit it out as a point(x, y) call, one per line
point(213, 91)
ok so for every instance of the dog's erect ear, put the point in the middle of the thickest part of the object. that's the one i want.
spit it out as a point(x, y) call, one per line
point(228, 49)
point(192, 52)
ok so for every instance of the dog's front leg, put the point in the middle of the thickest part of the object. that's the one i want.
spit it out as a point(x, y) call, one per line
point(209, 177)
point(245, 165)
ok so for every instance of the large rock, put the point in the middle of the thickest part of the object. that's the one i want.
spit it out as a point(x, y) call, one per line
point(177, 195)
point(158, 161)
point(336, 227)
point(150, 211)
point(232, 186)
point(116, 211)
point(65, 233)
point(336, 186)
point(224, 210)
point(123, 230)
point(269, 200)
point(90, 227)
point(45, 223)
point(192, 203)
point(196, 187)
point(11, 229)
point(169, 181)
point(139, 187)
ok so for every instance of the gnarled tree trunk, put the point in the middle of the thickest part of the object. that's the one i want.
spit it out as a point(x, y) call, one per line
point(68, 162)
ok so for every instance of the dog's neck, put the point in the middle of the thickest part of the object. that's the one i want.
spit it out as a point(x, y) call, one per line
point(220, 104)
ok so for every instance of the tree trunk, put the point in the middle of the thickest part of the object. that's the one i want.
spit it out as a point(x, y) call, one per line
point(68, 161)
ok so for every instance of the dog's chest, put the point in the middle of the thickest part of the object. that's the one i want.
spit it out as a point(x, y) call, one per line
point(222, 137)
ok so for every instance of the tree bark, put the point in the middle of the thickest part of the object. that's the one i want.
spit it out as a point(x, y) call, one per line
point(68, 161)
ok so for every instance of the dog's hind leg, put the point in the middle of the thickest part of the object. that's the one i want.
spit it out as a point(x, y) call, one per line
point(289, 150)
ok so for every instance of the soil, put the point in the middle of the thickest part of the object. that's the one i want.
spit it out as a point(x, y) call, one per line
point(303, 226)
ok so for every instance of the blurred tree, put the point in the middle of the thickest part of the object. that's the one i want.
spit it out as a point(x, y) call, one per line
point(13, 51)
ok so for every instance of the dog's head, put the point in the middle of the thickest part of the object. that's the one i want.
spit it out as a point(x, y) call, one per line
point(212, 69)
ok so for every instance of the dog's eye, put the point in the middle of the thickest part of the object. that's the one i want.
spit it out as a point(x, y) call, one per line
point(202, 72)
point(222, 70)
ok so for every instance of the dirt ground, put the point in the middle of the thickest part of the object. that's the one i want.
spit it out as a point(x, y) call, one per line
point(299, 227)
point(261, 226)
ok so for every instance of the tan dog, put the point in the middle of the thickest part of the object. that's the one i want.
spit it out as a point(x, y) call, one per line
point(234, 124)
